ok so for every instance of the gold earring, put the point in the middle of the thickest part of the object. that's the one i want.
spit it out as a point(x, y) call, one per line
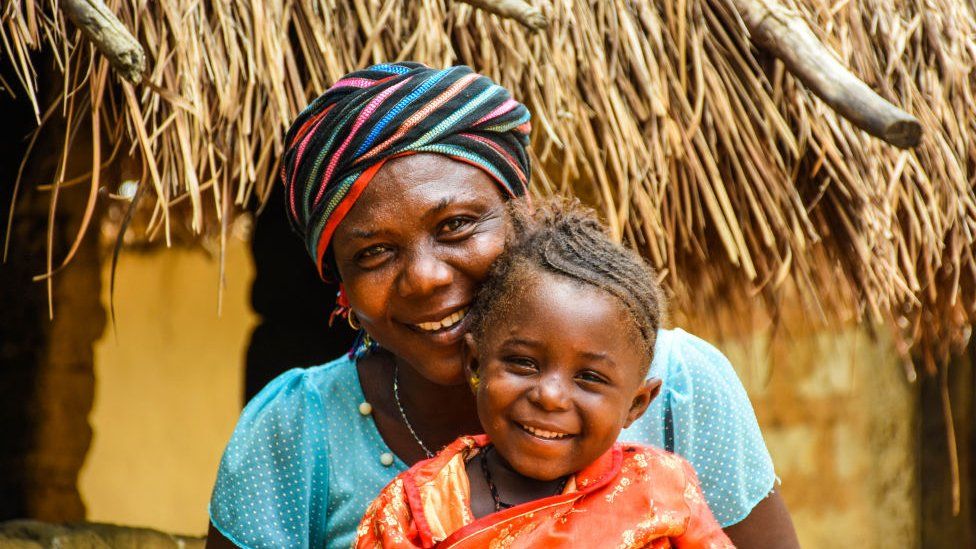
point(474, 381)
point(353, 321)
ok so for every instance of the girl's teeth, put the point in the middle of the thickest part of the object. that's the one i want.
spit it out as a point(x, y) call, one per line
point(444, 322)
point(545, 434)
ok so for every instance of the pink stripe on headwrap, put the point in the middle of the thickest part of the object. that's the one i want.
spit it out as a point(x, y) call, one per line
point(360, 120)
point(499, 110)
point(352, 83)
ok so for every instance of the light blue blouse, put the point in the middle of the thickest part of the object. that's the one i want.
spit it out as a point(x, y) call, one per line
point(303, 462)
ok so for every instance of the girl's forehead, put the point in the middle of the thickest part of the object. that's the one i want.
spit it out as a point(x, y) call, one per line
point(541, 298)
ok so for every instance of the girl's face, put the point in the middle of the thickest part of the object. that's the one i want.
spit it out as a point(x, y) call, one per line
point(413, 251)
point(559, 377)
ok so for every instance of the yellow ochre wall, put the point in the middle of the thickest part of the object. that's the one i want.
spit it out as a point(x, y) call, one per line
point(168, 387)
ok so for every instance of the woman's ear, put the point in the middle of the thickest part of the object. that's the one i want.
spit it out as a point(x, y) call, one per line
point(646, 393)
point(469, 358)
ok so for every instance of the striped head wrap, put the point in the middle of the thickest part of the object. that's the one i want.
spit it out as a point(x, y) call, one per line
point(339, 142)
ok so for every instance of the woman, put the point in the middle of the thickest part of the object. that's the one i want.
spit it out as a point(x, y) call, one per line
point(397, 178)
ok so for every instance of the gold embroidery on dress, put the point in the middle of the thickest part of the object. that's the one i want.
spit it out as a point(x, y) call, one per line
point(618, 489)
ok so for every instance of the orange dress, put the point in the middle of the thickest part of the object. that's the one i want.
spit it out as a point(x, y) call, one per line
point(632, 496)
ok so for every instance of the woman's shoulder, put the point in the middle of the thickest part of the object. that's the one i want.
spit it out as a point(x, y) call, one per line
point(681, 357)
point(318, 382)
point(277, 453)
point(294, 406)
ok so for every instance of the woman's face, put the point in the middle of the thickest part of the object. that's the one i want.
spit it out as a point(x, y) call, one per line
point(413, 251)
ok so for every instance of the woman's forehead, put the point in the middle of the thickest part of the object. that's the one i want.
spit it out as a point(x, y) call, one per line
point(423, 184)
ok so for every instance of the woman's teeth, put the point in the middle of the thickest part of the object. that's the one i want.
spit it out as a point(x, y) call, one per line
point(444, 322)
point(545, 434)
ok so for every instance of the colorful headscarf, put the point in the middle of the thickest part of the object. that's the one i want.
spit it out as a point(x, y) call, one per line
point(339, 142)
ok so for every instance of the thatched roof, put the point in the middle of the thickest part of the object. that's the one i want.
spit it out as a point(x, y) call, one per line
point(721, 168)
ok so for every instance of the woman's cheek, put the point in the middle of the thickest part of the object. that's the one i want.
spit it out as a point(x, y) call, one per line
point(483, 249)
point(368, 295)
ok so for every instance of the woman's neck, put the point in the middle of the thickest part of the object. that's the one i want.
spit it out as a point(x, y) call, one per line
point(438, 414)
point(442, 412)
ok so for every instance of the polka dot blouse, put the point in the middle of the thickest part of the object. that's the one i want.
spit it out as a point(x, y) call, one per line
point(306, 459)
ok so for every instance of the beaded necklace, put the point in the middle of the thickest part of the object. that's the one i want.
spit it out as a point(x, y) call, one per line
point(499, 504)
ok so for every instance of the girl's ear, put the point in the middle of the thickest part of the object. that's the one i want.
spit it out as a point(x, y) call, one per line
point(469, 358)
point(646, 393)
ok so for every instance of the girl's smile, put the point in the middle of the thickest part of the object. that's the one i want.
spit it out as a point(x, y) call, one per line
point(558, 376)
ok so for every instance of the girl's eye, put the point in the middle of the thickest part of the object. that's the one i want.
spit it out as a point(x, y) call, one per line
point(590, 376)
point(521, 364)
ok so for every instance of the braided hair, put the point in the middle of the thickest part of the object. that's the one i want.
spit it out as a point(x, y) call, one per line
point(562, 237)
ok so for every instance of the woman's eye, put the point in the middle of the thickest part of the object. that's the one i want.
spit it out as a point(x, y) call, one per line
point(372, 252)
point(455, 224)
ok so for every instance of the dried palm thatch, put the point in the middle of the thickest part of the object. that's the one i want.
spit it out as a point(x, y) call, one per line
point(700, 149)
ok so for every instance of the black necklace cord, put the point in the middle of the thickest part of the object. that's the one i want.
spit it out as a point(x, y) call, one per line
point(499, 504)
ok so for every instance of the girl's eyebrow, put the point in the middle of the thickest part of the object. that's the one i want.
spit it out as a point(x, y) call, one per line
point(520, 341)
point(602, 357)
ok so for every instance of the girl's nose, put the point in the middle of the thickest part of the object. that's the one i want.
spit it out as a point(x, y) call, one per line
point(550, 394)
point(423, 274)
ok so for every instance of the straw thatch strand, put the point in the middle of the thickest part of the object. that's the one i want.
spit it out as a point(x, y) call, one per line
point(109, 35)
point(790, 39)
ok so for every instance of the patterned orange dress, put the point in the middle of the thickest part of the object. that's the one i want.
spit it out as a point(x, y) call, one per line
point(631, 497)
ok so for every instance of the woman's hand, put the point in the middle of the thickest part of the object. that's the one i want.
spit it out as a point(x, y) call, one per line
point(768, 526)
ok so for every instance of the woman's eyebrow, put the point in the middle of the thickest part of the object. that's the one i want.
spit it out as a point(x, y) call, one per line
point(363, 234)
point(442, 204)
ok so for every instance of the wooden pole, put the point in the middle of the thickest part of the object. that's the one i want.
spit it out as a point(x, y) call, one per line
point(784, 34)
point(109, 35)
point(519, 10)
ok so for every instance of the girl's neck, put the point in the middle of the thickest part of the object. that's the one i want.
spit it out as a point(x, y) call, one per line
point(511, 487)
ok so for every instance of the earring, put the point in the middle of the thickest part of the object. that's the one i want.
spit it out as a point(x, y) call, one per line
point(342, 308)
point(474, 381)
point(353, 320)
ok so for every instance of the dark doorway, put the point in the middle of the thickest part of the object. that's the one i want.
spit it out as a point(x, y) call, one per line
point(293, 303)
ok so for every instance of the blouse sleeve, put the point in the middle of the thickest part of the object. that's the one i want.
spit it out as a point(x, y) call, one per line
point(263, 496)
point(710, 422)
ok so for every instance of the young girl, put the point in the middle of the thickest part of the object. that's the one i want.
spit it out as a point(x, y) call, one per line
point(561, 339)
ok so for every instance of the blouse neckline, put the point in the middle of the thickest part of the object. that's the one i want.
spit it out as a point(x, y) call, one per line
point(372, 430)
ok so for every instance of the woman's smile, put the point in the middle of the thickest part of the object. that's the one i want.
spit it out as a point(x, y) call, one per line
point(413, 252)
point(443, 325)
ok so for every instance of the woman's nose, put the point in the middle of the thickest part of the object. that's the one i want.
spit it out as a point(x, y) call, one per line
point(550, 394)
point(423, 274)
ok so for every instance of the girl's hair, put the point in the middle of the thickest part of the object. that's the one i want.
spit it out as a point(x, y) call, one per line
point(563, 237)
